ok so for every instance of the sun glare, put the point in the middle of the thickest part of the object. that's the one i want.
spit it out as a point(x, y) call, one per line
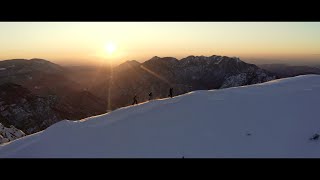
point(110, 48)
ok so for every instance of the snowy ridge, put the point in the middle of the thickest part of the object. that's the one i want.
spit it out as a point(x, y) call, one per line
point(273, 119)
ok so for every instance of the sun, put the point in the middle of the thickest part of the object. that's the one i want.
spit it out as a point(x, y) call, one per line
point(110, 48)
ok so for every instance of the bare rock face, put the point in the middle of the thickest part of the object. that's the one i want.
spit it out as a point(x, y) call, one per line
point(158, 74)
point(9, 134)
point(246, 78)
point(36, 93)
point(24, 110)
point(32, 113)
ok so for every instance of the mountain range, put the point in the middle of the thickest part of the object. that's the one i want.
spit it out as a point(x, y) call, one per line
point(157, 75)
point(284, 70)
point(37, 93)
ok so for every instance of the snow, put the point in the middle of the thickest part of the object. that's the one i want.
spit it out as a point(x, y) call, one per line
point(9, 134)
point(236, 80)
point(273, 119)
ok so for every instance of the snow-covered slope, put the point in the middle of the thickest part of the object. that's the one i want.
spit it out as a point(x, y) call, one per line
point(273, 119)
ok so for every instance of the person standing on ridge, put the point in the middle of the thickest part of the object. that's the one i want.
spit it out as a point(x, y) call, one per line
point(135, 100)
point(150, 96)
point(171, 92)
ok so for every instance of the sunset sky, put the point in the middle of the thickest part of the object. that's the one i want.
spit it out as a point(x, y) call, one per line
point(94, 42)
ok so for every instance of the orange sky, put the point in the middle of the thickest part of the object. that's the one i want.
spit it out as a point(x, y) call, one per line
point(85, 42)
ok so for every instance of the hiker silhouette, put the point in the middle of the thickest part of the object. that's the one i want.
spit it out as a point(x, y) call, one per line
point(150, 96)
point(315, 137)
point(171, 92)
point(135, 100)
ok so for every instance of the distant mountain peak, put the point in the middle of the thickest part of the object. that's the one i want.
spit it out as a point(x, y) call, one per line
point(162, 58)
point(210, 59)
point(155, 58)
point(128, 65)
point(38, 59)
point(43, 61)
point(132, 62)
point(201, 57)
